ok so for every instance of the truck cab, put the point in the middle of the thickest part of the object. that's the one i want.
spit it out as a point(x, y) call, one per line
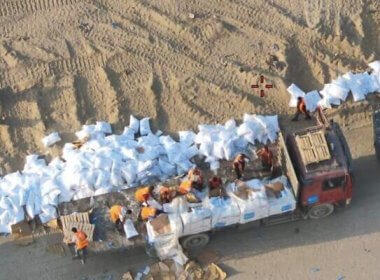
point(322, 163)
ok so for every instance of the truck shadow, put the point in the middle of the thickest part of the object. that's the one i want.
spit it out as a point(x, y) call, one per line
point(360, 218)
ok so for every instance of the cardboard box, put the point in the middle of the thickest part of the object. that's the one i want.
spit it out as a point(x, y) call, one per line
point(21, 228)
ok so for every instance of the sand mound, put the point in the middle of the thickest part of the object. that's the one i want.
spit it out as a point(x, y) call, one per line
point(64, 63)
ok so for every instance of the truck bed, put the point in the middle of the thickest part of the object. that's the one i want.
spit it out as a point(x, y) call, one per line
point(107, 238)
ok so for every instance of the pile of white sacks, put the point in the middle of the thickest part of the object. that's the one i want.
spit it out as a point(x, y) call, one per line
point(336, 92)
point(108, 162)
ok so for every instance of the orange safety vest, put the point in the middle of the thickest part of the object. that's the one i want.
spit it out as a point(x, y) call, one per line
point(82, 241)
point(215, 182)
point(115, 212)
point(148, 212)
point(185, 187)
point(239, 163)
point(142, 194)
point(302, 106)
point(267, 157)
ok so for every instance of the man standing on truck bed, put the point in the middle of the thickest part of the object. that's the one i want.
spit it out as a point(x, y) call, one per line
point(266, 157)
point(301, 109)
point(239, 165)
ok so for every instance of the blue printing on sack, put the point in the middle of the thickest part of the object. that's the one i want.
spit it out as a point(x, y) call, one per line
point(249, 216)
point(286, 207)
point(312, 199)
point(220, 224)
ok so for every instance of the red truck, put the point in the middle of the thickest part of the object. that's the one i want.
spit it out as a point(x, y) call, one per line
point(318, 165)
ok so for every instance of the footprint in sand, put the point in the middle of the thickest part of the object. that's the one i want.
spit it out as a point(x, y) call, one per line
point(314, 11)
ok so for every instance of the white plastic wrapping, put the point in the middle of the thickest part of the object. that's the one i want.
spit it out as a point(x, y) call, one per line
point(51, 139)
point(294, 92)
point(145, 127)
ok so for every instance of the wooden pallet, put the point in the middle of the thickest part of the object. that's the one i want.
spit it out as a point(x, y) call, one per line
point(74, 218)
point(313, 147)
point(81, 221)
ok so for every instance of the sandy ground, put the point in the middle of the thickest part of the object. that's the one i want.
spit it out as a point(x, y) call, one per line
point(64, 63)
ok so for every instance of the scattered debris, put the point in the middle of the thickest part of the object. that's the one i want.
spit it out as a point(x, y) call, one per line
point(340, 277)
point(127, 276)
point(275, 48)
point(315, 269)
point(191, 15)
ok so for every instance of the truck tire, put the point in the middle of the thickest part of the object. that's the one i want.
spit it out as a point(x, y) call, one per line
point(320, 211)
point(195, 241)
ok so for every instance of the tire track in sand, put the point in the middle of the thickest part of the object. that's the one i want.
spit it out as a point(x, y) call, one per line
point(41, 70)
point(11, 8)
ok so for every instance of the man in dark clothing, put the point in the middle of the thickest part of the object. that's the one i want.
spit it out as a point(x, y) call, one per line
point(301, 109)
point(266, 157)
point(239, 165)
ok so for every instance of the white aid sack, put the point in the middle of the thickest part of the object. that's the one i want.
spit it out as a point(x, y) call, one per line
point(229, 149)
point(134, 124)
point(294, 92)
point(375, 65)
point(186, 137)
point(311, 99)
point(224, 212)
point(129, 229)
point(196, 221)
point(335, 91)
point(178, 205)
point(145, 127)
point(129, 173)
point(128, 133)
point(51, 139)
point(254, 207)
point(48, 213)
point(285, 202)
point(103, 127)
point(85, 132)
point(206, 149)
point(230, 125)
point(218, 150)
point(166, 167)
point(116, 176)
point(191, 152)
point(356, 83)
point(154, 203)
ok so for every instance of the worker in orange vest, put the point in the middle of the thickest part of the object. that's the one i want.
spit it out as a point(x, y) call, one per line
point(266, 157)
point(239, 165)
point(118, 216)
point(215, 185)
point(186, 187)
point(301, 109)
point(148, 212)
point(81, 243)
point(142, 195)
point(195, 175)
point(166, 194)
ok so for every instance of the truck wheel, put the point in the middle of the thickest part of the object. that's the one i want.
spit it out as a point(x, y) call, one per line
point(320, 211)
point(194, 241)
